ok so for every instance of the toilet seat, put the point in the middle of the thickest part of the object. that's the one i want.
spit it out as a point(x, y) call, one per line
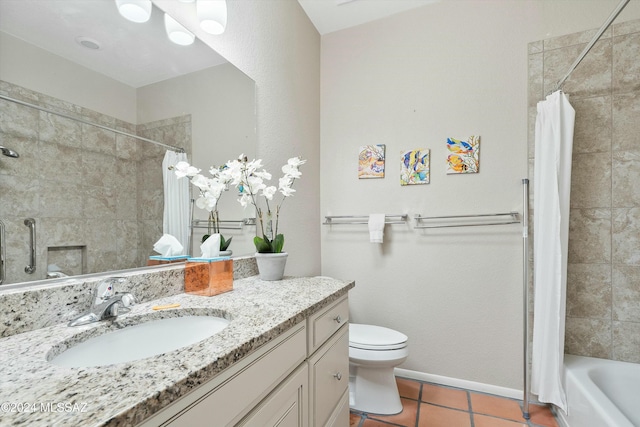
point(376, 338)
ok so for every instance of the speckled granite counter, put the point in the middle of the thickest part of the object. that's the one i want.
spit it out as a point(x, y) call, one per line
point(127, 393)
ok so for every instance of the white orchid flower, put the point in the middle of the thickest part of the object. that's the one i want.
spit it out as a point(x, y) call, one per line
point(287, 191)
point(296, 161)
point(269, 192)
point(245, 200)
point(263, 174)
point(183, 169)
point(291, 171)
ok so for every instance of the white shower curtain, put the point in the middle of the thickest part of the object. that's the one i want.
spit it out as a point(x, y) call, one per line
point(175, 220)
point(552, 185)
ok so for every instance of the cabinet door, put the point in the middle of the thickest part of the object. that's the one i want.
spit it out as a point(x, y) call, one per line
point(329, 378)
point(286, 406)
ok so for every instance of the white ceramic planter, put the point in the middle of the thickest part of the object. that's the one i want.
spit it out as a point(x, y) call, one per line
point(271, 266)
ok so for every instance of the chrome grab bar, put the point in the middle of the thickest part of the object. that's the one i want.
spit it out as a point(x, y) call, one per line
point(31, 268)
point(3, 253)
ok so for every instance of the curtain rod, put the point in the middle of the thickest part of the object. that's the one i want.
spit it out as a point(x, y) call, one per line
point(593, 41)
point(86, 122)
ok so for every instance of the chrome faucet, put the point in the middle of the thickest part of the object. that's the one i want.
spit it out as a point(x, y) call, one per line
point(107, 303)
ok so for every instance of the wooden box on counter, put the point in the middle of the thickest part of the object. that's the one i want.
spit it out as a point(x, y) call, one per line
point(208, 276)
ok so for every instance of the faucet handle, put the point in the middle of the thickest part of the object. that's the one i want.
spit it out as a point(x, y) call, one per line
point(106, 289)
point(128, 300)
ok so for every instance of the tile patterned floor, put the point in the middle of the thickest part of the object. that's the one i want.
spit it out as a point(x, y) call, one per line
point(431, 405)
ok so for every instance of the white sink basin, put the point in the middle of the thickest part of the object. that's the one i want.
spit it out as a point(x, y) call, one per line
point(141, 341)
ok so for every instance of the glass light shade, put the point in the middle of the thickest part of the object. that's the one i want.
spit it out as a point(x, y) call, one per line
point(176, 32)
point(212, 15)
point(135, 10)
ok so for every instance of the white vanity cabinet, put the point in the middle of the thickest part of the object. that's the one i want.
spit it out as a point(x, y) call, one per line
point(300, 379)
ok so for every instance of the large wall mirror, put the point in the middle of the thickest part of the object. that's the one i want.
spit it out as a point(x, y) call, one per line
point(82, 199)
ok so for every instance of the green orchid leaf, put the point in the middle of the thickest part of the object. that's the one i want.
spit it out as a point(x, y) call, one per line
point(224, 244)
point(262, 245)
point(205, 237)
point(278, 243)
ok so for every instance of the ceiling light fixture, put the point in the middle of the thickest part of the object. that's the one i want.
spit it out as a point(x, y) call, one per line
point(135, 10)
point(212, 15)
point(177, 33)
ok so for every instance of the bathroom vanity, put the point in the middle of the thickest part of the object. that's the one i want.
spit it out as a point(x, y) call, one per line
point(282, 360)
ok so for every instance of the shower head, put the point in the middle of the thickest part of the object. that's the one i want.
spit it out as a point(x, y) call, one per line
point(9, 152)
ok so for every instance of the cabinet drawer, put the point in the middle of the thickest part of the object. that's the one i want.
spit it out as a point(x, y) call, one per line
point(329, 377)
point(326, 322)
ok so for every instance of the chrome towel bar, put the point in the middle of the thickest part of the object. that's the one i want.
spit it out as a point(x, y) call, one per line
point(362, 219)
point(501, 219)
point(224, 225)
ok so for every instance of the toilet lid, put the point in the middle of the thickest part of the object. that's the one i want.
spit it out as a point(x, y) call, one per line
point(370, 337)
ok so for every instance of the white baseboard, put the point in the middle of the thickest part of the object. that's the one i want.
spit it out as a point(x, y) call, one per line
point(455, 382)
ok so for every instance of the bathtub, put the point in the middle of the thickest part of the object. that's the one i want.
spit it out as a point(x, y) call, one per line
point(601, 393)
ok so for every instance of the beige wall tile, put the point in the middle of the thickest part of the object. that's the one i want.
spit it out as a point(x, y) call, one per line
point(625, 124)
point(588, 337)
point(590, 236)
point(626, 27)
point(625, 178)
point(591, 180)
point(626, 341)
point(626, 236)
point(591, 78)
point(580, 38)
point(589, 291)
point(18, 120)
point(626, 67)
point(59, 130)
point(536, 83)
point(535, 47)
point(626, 293)
point(592, 131)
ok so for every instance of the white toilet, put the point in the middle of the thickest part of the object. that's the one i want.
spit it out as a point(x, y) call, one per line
point(373, 353)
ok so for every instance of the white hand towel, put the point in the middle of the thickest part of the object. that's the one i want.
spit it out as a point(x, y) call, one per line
point(211, 247)
point(168, 245)
point(376, 227)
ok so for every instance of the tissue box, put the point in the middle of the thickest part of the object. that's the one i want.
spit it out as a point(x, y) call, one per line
point(208, 276)
point(161, 260)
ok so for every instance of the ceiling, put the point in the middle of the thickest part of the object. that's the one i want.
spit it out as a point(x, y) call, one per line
point(134, 54)
point(333, 15)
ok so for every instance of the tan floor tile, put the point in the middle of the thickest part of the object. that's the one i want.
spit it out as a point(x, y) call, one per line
point(408, 388)
point(375, 423)
point(407, 417)
point(436, 416)
point(497, 406)
point(542, 416)
point(354, 419)
point(445, 397)
point(486, 421)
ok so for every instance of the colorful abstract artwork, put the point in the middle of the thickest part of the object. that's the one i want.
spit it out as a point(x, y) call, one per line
point(371, 161)
point(465, 155)
point(415, 167)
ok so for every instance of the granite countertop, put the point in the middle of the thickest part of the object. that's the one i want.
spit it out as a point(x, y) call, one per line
point(34, 392)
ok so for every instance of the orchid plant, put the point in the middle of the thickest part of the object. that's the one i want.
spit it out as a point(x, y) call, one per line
point(249, 177)
point(210, 191)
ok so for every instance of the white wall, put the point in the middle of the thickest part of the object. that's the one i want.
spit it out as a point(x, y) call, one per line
point(29, 66)
point(221, 102)
point(450, 69)
point(275, 44)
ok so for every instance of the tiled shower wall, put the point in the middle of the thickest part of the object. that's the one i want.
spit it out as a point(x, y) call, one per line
point(96, 196)
point(603, 283)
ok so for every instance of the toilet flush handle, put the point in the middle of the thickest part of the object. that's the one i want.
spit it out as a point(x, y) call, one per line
point(337, 376)
point(338, 319)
